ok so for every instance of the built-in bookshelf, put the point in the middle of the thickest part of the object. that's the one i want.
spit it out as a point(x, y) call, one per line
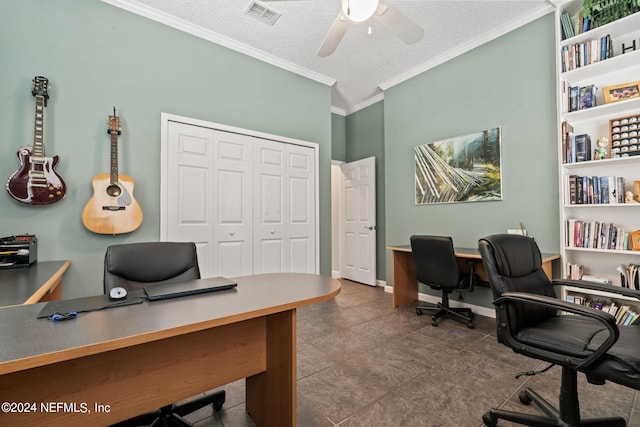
point(597, 221)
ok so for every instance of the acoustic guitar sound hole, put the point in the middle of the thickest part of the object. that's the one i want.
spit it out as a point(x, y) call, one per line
point(113, 190)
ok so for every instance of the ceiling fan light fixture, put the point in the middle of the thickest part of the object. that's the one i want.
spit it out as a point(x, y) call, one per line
point(359, 10)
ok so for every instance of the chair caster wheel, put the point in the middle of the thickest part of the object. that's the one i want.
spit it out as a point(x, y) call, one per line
point(490, 420)
point(470, 324)
point(418, 312)
point(217, 404)
point(524, 398)
point(434, 322)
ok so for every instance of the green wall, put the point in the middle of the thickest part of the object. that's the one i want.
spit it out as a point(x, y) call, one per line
point(338, 137)
point(365, 136)
point(508, 82)
point(97, 56)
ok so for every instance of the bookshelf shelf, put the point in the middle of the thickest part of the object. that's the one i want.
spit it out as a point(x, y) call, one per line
point(603, 205)
point(600, 294)
point(597, 123)
point(603, 162)
point(604, 251)
point(605, 111)
point(610, 65)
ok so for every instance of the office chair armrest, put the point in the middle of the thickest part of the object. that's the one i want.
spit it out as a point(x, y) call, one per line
point(606, 319)
point(598, 287)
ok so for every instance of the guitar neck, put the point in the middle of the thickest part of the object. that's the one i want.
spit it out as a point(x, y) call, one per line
point(114, 157)
point(38, 130)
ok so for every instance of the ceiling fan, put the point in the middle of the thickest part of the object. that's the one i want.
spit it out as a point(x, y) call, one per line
point(359, 11)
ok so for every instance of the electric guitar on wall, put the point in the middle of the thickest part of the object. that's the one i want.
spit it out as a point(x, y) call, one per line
point(36, 182)
point(112, 209)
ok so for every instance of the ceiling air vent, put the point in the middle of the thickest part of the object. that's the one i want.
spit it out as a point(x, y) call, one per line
point(262, 13)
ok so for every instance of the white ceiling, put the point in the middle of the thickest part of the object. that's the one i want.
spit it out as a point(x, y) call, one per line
point(362, 66)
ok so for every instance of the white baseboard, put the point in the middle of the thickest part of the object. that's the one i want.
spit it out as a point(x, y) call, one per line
point(382, 284)
point(335, 274)
point(434, 299)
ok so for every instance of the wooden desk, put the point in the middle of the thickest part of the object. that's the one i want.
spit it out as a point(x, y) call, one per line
point(405, 286)
point(41, 281)
point(140, 357)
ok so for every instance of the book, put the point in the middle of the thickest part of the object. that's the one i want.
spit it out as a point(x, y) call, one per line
point(567, 28)
point(587, 97)
point(574, 94)
point(583, 147)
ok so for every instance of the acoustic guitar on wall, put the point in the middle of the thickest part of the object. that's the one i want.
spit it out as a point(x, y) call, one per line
point(36, 182)
point(112, 209)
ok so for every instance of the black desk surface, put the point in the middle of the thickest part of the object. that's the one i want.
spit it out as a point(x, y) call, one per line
point(28, 341)
point(18, 284)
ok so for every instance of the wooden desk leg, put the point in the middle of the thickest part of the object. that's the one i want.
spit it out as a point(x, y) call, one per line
point(405, 286)
point(271, 395)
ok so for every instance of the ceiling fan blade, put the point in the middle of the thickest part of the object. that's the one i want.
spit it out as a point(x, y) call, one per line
point(333, 37)
point(407, 30)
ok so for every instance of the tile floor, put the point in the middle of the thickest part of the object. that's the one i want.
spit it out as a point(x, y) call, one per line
point(362, 363)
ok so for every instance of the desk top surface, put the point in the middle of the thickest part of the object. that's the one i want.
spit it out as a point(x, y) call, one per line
point(29, 342)
point(17, 285)
point(468, 252)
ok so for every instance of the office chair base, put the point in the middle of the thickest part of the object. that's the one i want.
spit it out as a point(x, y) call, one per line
point(173, 415)
point(464, 314)
point(552, 417)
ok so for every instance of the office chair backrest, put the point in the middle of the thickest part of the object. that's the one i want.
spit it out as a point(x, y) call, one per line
point(514, 264)
point(435, 261)
point(133, 266)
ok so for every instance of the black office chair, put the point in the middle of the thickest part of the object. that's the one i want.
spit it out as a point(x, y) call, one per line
point(532, 321)
point(133, 266)
point(437, 267)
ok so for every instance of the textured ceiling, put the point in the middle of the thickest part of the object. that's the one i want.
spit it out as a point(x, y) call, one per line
point(362, 65)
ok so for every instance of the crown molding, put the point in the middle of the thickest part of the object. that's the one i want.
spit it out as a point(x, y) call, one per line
point(364, 104)
point(340, 111)
point(466, 47)
point(203, 33)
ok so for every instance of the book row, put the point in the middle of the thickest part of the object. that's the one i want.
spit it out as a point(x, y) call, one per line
point(595, 235)
point(624, 314)
point(576, 98)
point(574, 25)
point(581, 54)
point(629, 276)
point(595, 190)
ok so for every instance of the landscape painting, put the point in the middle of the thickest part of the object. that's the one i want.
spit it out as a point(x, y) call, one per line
point(461, 169)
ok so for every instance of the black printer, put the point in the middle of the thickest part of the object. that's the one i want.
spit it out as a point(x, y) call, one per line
point(18, 251)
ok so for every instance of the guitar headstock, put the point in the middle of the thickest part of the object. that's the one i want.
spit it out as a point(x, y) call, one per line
point(114, 124)
point(40, 87)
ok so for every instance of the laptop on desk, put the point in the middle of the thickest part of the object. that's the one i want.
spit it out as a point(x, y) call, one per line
point(193, 287)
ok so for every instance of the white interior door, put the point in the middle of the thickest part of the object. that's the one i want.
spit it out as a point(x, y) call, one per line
point(248, 200)
point(190, 190)
point(232, 213)
point(301, 212)
point(284, 233)
point(270, 201)
point(358, 221)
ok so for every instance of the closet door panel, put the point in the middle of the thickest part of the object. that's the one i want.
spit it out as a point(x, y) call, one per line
point(270, 202)
point(301, 221)
point(190, 196)
point(232, 215)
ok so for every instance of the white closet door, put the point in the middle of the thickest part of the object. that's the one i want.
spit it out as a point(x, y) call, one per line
point(301, 216)
point(190, 192)
point(270, 201)
point(232, 214)
point(248, 202)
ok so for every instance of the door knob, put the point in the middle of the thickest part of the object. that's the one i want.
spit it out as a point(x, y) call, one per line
point(371, 227)
point(231, 233)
